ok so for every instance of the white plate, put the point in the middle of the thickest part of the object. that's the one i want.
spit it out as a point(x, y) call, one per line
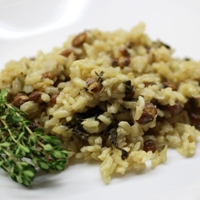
point(27, 26)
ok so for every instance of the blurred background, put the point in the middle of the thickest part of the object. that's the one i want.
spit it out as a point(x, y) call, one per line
point(27, 26)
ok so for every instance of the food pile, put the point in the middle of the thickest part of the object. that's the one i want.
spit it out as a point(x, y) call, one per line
point(115, 97)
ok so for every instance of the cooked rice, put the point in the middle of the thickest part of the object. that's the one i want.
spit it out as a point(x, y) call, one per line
point(141, 94)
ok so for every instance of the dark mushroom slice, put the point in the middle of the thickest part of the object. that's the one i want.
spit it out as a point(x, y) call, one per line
point(76, 125)
point(80, 133)
point(129, 91)
point(113, 139)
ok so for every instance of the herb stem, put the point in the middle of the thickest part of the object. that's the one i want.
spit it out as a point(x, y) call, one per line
point(19, 143)
point(6, 125)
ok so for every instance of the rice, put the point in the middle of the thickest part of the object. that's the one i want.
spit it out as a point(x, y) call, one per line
point(118, 98)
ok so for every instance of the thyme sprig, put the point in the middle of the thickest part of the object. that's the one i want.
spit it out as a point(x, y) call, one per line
point(23, 150)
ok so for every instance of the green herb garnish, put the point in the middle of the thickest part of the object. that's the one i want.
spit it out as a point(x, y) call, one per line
point(113, 139)
point(23, 150)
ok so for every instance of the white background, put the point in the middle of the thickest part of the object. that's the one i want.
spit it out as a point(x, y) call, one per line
point(27, 26)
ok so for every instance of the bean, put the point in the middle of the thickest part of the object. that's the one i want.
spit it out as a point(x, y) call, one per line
point(150, 108)
point(170, 84)
point(148, 114)
point(94, 85)
point(174, 110)
point(129, 45)
point(10, 97)
point(67, 52)
point(124, 52)
point(145, 118)
point(54, 98)
point(124, 61)
point(195, 119)
point(79, 39)
point(115, 62)
point(149, 145)
point(49, 75)
point(20, 99)
point(35, 96)
point(121, 61)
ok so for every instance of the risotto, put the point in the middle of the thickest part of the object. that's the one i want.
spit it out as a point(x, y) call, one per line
point(118, 98)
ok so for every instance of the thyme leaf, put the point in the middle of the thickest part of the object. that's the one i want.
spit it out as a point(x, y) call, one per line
point(23, 150)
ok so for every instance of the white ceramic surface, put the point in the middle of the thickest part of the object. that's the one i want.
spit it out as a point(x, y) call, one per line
point(27, 26)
